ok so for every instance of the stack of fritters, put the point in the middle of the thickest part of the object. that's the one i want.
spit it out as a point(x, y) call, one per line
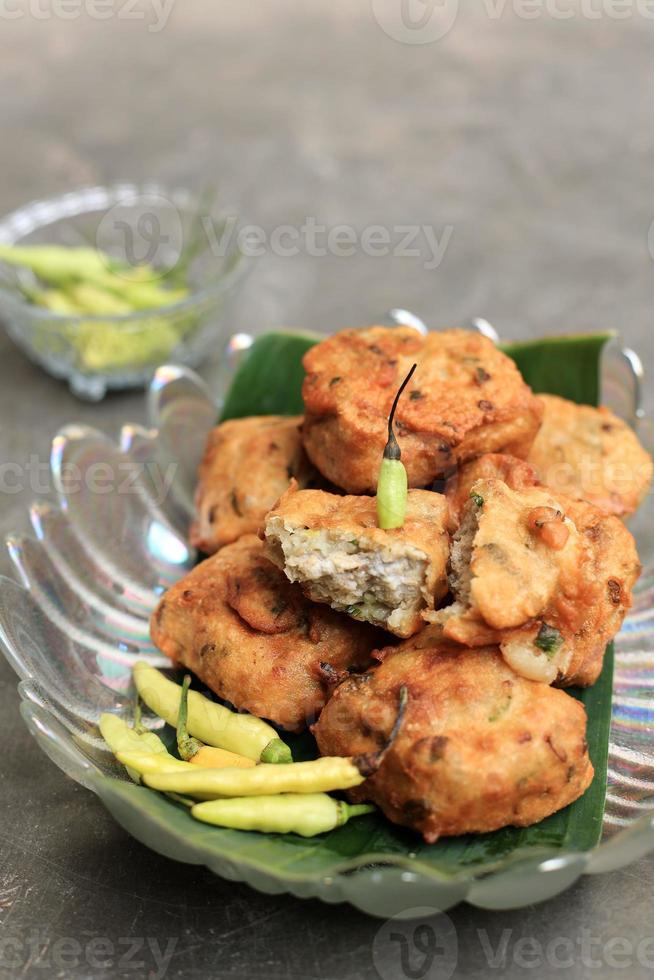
point(515, 578)
point(254, 639)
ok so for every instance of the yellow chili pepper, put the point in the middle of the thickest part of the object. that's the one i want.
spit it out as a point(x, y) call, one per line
point(307, 814)
point(318, 776)
point(96, 301)
point(392, 483)
point(145, 763)
point(191, 750)
point(121, 738)
point(212, 723)
point(212, 758)
point(55, 300)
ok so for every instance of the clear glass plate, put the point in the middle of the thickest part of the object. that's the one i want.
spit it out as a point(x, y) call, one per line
point(76, 619)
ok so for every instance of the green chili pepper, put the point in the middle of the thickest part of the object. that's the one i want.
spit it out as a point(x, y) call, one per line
point(187, 746)
point(319, 776)
point(477, 497)
point(307, 814)
point(212, 723)
point(138, 295)
point(108, 286)
point(56, 263)
point(392, 484)
point(137, 722)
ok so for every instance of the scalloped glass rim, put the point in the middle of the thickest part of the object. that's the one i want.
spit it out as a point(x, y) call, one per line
point(87, 596)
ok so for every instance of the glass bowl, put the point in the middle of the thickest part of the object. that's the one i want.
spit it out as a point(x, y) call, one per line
point(76, 618)
point(138, 224)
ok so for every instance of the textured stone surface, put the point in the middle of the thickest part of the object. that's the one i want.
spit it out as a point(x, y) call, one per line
point(533, 140)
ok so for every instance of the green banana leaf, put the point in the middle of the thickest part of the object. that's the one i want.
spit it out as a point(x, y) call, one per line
point(270, 376)
point(565, 366)
point(269, 382)
point(269, 379)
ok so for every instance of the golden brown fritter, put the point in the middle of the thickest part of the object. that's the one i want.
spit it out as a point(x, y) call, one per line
point(589, 615)
point(333, 547)
point(516, 473)
point(247, 464)
point(254, 639)
point(591, 454)
point(466, 398)
point(480, 747)
point(547, 577)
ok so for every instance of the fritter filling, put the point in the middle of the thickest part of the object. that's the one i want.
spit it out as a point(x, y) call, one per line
point(381, 586)
point(333, 546)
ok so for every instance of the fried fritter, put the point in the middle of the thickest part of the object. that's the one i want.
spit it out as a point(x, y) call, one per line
point(255, 640)
point(466, 398)
point(548, 578)
point(516, 473)
point(591, 454)
point(247, 464)
point(333, 547)
point(480, 747)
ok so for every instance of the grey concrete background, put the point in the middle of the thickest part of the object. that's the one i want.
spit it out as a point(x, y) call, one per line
point(530, 134)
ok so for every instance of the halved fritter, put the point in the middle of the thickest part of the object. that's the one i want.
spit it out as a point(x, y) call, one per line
point(247, 464)
point(480, 747)
point(516, 473)
point(255, 640)
point(333, 547)
point(589, 453)
point(548, 578)
point(466, 398)
point(503, 573)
